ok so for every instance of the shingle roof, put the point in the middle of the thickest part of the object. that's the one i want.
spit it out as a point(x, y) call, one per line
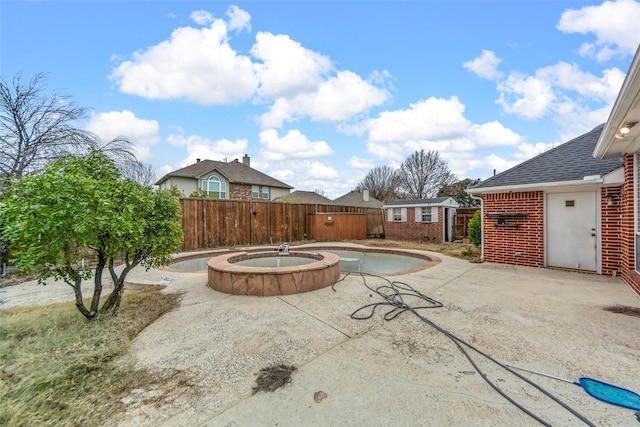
point(356, 198)
point(570, 161)
point(432, 201)
point(236, 172)
point(299, 196)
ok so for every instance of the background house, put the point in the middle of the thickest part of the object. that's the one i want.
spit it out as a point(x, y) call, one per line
point(360, 198)
point(420, 219)
point(558, 209)
point(300, 196)
point(227, 180)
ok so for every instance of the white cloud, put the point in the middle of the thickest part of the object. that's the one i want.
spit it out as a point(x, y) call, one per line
point(239, 19)
point(307, 175)
point(287, 68)
point(199, 147)
point(360, 163)
point(430, 119)
point(436, 124)
point(485, 65)
point(493, 134)
point(195, 63)
point(143, 133)
point(337, 99)
point(527, 96)
point(569, 77)
point(201, 17)
point(293, 145)
point(614, 23)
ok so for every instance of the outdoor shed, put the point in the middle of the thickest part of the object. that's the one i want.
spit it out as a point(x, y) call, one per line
point(559, 209)
point(420, 219)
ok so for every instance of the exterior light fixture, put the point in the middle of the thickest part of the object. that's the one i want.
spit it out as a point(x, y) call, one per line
point(627, 128)
point(619, 135)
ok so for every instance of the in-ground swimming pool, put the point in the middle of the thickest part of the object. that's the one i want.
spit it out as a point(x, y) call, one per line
point(365, 260)
point(303, 269)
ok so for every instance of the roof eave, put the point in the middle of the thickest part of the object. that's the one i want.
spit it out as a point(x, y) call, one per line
point(586, 181)
point(625, 110)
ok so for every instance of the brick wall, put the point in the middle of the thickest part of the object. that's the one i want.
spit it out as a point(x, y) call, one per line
point(521, 240)
point(242, 192)
point(412, 230)
point(610, 231)
point(627, 227)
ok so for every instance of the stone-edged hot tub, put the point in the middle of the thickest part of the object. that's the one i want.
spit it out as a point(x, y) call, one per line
point(272, 273)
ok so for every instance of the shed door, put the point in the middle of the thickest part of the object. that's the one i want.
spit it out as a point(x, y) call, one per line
point(571, 225)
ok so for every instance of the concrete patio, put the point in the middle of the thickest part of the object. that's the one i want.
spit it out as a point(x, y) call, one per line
point(400, 372)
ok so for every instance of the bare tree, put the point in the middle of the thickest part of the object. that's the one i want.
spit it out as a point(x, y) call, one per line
point(35, 129)
point(382, 183)
point(422, 174)
point(121, 151)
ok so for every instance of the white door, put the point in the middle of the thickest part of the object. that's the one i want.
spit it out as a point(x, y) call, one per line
point(571, 225)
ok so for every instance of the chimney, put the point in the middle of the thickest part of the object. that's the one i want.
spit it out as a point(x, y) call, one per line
point(365, 195)
point(246, 160)
point(197, 160)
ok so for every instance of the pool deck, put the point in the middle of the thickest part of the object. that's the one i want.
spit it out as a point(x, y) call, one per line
point(380, 373)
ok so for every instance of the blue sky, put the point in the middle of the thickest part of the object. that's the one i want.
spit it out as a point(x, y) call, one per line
point(318, 93)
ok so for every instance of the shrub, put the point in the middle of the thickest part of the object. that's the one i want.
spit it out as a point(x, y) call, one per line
point(475, 228)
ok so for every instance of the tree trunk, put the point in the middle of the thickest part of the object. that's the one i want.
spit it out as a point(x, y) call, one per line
point(97, 283)
point(112, 304)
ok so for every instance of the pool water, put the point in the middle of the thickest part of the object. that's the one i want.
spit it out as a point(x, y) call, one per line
point(281, 261)
point(350, 261)
point(376, 262)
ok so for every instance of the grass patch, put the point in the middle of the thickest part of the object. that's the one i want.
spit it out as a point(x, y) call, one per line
point(57, 368)
point(458, 250)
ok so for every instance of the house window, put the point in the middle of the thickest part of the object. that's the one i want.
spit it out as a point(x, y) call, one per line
point(265, 192)
point(426, 214)
point(255, 191)
point(214, 186)
point(397, 214)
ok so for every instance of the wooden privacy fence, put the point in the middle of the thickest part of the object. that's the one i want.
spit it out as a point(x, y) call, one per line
point(462, 218)
point(210, 223)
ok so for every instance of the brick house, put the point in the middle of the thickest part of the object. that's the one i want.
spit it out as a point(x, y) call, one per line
point(420, 219)
point(620, 139)
point(227, 180)
point(559, 209)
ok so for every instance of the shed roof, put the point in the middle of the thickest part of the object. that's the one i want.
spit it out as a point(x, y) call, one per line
point(435, 201)
point(570, 161)
point(235, 172)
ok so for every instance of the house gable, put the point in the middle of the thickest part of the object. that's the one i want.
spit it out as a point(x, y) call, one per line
point(240, 177)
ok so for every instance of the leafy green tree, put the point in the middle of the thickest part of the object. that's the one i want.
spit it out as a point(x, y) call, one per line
point(458, 191)
point(82, 204)
point(203, 194)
